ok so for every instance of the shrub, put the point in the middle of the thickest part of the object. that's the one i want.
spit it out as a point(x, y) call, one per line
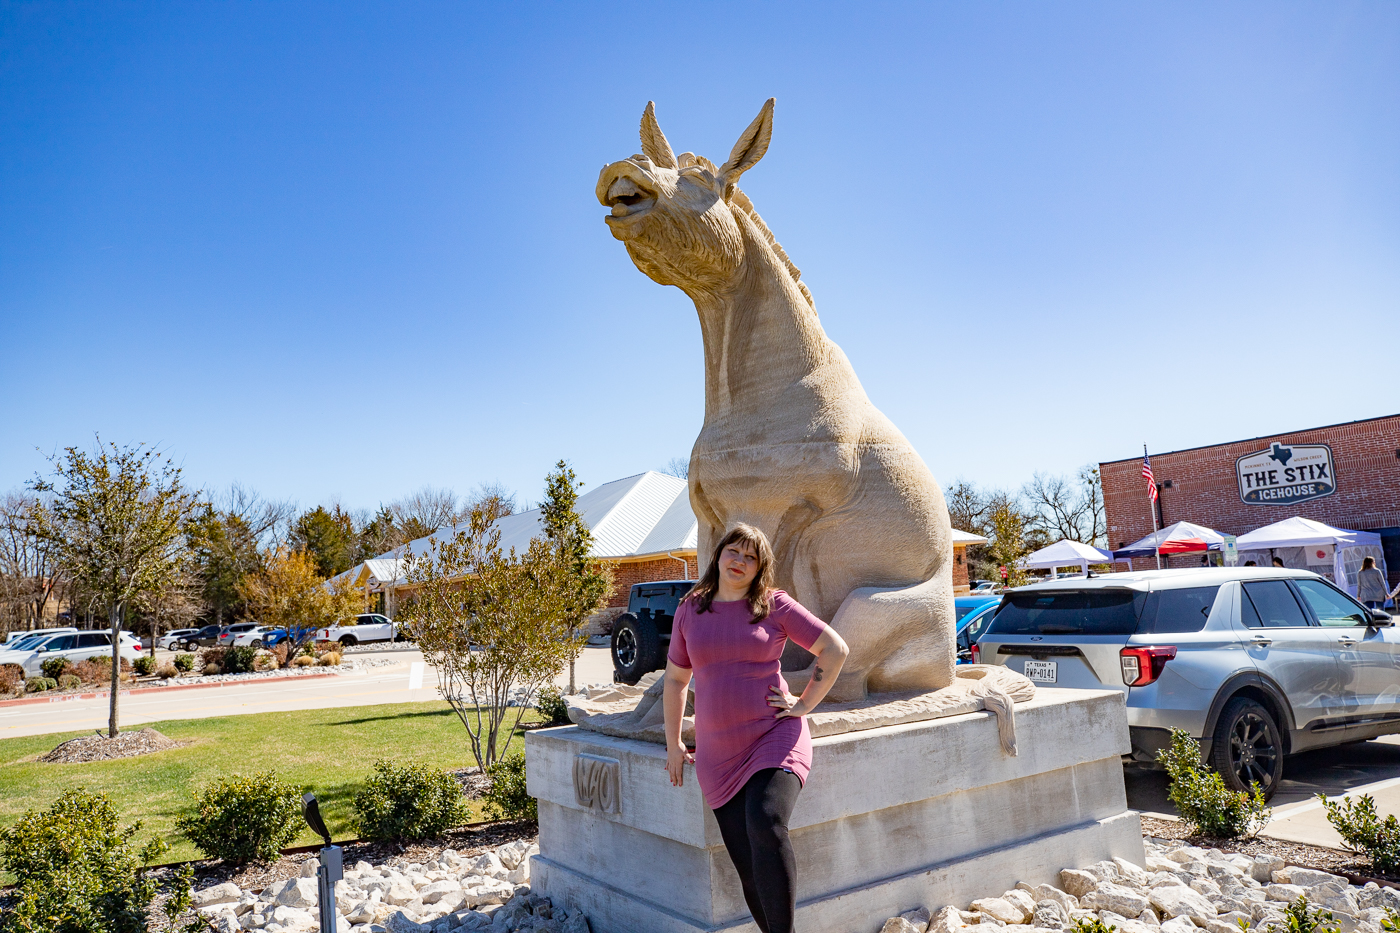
point(1091, 925)
point(75, 869)
point(167, 671)
point(1363, 831)
point(145, 665)
point(1202, 798)
point(11, 678)
point(53, 667)
point(39, 684)
point(279, 653)
point(212, 656)
point(1302, 917)
point(304, 660)
point(506, 798)
point(184, 663)
point(69, 681)
point(264, 661)
point(211, 669)
point(241, 819)
point(330, 659)
point(408, 802)
point(239, 659)
point(552, 707)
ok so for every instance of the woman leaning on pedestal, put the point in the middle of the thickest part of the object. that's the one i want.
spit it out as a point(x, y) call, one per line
point(753, 750)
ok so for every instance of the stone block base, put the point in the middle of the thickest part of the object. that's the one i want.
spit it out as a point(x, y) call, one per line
point(915, 815)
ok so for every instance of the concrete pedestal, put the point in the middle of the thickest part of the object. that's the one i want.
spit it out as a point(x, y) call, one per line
point(917, 815)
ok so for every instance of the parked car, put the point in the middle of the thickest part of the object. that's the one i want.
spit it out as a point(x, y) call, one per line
point(228, 637)
point(260, 636)
point(972, 614)
point(368, 627)
point(17, 636)
point(73, 647)
point(985, 587)
point(642, 634)
point(172, 640)
point(206, 637)
point(23, 645)
point(1256, 663)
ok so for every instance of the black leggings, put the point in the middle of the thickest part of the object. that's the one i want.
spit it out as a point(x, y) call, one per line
point(754, 825)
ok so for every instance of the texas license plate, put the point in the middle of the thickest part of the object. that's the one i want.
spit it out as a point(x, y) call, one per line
point(1042, 672)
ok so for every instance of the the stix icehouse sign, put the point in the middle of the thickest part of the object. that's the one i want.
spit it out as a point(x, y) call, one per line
point(1285, 474)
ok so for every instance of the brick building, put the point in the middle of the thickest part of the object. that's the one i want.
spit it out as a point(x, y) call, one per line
point(1355, 484)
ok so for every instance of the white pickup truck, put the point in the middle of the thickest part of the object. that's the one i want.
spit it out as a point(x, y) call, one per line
point(368, 627)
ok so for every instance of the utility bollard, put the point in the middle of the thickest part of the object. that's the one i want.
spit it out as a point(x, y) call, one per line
point(332, 864)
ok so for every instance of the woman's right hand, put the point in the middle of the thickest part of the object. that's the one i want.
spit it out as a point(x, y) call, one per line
point(676, 757)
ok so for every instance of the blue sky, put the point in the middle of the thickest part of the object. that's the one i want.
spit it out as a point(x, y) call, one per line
point(342, 251)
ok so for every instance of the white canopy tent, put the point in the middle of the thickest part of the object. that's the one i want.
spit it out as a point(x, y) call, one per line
point(1305, 544)
point(1065, 553)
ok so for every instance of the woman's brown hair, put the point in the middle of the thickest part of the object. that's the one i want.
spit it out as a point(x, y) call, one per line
point(1367, 563)
point(760, 597)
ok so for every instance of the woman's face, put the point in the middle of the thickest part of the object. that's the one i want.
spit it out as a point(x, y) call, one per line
point(738, 565)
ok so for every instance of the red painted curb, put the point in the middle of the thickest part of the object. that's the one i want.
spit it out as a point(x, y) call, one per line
point(71, 697)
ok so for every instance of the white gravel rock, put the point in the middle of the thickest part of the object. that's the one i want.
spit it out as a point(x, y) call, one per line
point(1180, 901)
point(999, 909)
point(226, 893)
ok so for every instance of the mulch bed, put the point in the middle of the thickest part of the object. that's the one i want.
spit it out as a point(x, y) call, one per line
point(99, 747)
point(1336, 861)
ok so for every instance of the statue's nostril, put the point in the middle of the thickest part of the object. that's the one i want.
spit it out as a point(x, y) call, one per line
point(623, 189)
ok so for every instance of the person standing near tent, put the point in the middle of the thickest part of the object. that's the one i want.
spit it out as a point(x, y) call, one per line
point(1370, 584)
point(1278, 561)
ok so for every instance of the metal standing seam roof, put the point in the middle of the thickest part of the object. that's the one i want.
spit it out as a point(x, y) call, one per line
point(633, 517)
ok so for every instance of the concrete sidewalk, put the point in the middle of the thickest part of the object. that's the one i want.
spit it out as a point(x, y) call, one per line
point(1306, 821)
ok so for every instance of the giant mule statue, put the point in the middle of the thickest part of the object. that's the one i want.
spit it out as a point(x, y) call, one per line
point(791, 444)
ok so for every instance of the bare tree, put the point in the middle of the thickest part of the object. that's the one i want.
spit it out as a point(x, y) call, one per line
point(678, 467)
point(174, 602)
point(494, 499)
point(968, 507)
point(269, 521)
point(29, 576)
point(423, 512)
point(1067, 508)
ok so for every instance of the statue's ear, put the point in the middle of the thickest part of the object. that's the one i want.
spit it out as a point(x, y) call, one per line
point(654, 144)
point(752, 144)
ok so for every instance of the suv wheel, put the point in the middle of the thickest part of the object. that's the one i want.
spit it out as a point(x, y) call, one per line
point(636, 648)
point(1247, 747)
point(348, 641)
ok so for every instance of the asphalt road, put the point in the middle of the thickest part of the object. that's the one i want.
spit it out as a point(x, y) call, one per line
point(1330, 771)
point(377, 685)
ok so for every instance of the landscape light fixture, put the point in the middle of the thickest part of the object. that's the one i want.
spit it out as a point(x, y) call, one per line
point(332, 865)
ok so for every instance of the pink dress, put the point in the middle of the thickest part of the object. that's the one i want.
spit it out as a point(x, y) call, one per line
point(737, 733)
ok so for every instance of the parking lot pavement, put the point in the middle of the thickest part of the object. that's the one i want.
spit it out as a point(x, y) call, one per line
point(1361, 767)
point(389, 684)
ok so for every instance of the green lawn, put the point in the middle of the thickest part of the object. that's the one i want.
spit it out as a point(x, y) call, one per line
point(327, 751)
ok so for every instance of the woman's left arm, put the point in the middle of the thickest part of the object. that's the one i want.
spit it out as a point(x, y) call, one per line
point(831, 651)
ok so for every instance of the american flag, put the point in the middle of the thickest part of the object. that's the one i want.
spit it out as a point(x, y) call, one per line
point(1147, 475)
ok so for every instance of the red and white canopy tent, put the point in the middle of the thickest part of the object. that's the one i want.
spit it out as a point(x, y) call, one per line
point(1178, 538)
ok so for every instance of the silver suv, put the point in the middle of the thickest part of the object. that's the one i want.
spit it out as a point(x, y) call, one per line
point(1257, 663)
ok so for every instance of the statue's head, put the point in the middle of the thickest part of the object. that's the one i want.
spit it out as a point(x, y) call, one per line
point(679, 215)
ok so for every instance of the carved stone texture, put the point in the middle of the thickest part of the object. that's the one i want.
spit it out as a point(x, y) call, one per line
point(791, 444)
point(598, 783)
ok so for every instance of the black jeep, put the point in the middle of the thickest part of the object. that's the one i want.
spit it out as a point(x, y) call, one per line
point(642, 634)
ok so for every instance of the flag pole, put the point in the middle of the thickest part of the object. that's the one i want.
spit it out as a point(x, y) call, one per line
point(1152, 505)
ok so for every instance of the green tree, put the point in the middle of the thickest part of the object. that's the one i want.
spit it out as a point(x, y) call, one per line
point(289, 593)
point(492, 625)
point(584, 584)
point(1008, 545)
point(329, 536)
point(224, 551)
point(117, 521)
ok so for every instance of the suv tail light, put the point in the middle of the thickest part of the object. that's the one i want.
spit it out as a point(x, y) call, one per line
point(1141, 666)
point(976, 653)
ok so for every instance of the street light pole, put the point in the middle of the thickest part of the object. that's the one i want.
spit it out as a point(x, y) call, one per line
point(332, 865)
